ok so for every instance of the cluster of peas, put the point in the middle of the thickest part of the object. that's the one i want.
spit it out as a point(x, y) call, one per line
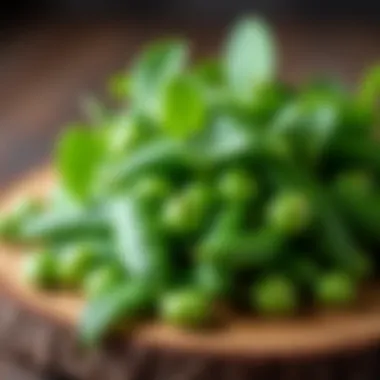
point(210, 268)
point(269, 207)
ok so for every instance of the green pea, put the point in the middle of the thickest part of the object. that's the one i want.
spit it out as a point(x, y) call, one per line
point(101, 280)
point(152, 188)
point(335, 289)
point(277, 147)
point(274, 296)
point(186, 308)
point(41, 270)
point(74, 264)
point(289, 213)
point(186, 211)
point(199, 195)
point(238, 185)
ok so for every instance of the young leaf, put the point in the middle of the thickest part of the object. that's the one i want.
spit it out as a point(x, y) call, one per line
point(79, 153)
point(183, 106)
point(250, 57)
point(225, 140)
point(158, 64)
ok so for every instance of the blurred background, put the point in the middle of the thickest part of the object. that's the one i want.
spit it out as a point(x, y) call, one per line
point(54, 53)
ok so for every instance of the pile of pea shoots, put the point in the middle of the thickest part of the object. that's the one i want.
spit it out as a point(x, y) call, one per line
point(210, 186)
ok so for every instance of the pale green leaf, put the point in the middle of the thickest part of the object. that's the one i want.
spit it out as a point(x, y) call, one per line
point(250, 57)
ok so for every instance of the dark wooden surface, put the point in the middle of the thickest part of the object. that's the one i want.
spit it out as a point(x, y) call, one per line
point(45, 71)
point(11, 372)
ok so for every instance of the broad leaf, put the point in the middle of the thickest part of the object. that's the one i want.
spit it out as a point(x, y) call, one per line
point(183, 106)
point(155, 67)
point(250, 57)
point(78, 156)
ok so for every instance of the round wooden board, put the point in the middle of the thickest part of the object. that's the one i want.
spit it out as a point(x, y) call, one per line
point(305, 337)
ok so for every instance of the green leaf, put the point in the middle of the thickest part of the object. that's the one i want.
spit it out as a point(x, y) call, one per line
point(210, 73)
point(158, 64)
point(159, 155)
point(309, 126)
point(250, 57)
point(183, 107)
point(225, 140)
point(369, 93)
point(78, 156)
point(103, 314)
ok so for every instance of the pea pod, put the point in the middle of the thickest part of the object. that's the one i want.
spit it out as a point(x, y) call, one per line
point(151, 189)
point(54, 227)
point(230, 140)
point(139, 243)
point(228, 223)
point(334, 239)
point(340, 247)
point(159, 155)
point(246, 250)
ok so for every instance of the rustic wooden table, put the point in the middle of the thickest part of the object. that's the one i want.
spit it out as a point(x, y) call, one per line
point(45, 70)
